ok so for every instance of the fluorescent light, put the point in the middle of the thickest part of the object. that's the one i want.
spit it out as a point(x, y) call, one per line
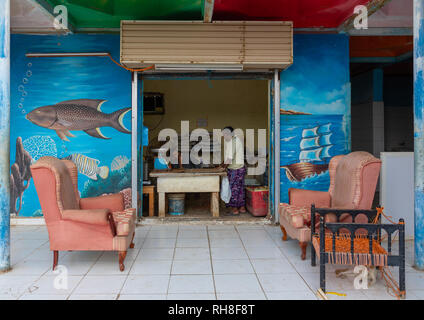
point(198, 67)
point(67, 54)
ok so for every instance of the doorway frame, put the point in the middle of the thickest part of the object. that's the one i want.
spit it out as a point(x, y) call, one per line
point(274, 126)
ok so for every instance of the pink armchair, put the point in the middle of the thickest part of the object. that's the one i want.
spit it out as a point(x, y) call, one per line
point(99, 223)
point(353, 179)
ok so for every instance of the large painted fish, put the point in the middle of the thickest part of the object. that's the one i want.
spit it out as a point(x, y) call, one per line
point(88, 166)
point(82, 114)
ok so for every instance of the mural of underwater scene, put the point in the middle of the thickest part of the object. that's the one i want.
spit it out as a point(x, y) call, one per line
point(74, 108)
point(315, 111)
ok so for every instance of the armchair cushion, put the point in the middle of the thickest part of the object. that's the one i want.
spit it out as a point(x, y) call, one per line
point(304, 198)
point(114, 202)
point(94, 216)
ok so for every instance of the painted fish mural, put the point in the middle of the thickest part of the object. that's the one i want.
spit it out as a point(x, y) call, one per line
point(119, 162)
point(88, 166)
point(78, 115)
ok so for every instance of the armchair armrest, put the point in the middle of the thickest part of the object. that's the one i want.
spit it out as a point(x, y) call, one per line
point(305, 198)
point(100, 217)
point(113, 202)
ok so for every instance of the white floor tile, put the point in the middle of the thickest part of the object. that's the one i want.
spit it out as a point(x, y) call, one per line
point(191, 284)
point(142, 297)
point(192, 243)
point(241, 296)
point(80, 256)
point(264, 253)
point(183, 227)
point(226, 243)
point(108, 284)
point(232, 266)
point(191, 296)
point(248, 243)
point(109, 268)
point(54, 285)
point(192, 234)
point(291, 295)
point(44, 254)
point(147, 267)
point(30, 267)
point(165, 233)
point(237, 283)
point(43, 297)
point(146, 284)
point(228, 253)
point(93, 297)
point(113, 257)
point(270, 266)
point(416, 294)
point(192, 254)
point(74, 268)
point(248, 227)
point(191, 267)
point(282, 282)
point(15, 286)
point(253, 233)
point(223, 234)
point(221, 227)
point(349, 295)
point(155, 254)
point(153, 243)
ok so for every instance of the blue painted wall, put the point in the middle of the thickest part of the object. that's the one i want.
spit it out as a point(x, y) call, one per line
point(4, 134)
point(37, 82)
point(318, 83)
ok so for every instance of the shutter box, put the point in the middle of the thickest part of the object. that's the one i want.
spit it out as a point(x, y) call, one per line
point(194, 45)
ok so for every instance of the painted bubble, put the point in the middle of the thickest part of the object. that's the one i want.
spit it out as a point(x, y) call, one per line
point(29, 73)
point(21, 88)
point(40, 146)
point(24, 80)
point(29, 64)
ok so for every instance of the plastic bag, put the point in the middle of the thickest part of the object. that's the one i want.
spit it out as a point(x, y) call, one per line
point(225, 190)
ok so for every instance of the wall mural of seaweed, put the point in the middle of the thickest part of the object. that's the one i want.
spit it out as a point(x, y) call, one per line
point(117, 181)
point(20, 177)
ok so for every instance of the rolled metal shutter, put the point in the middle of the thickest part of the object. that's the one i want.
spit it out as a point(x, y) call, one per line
point(253, 45)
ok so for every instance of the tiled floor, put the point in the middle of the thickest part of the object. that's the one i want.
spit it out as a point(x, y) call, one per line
point(183, 262)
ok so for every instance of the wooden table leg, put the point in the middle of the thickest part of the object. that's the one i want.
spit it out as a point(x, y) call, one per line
point(161, 204)
point(215, 204)
point(151, 204)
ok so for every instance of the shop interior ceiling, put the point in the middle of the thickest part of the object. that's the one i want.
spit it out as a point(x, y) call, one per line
point(105, 15)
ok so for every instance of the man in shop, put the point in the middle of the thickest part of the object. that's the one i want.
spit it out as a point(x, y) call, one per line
point(234, 164)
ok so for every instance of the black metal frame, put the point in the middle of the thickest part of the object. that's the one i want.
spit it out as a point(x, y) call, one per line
point(374, 233)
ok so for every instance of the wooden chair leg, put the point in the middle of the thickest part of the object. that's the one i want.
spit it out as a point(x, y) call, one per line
point(284, 233)
point(122, 255)
point(132, 241)
point(55, 258)
point(303, 246)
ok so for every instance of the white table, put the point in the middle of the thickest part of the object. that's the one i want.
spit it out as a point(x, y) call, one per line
point(188, 180)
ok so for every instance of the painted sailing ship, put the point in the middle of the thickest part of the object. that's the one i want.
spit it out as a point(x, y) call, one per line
point(314, 153)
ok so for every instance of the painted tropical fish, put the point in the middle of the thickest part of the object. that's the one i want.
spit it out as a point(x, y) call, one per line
point(82, 114)
point(88, 166)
